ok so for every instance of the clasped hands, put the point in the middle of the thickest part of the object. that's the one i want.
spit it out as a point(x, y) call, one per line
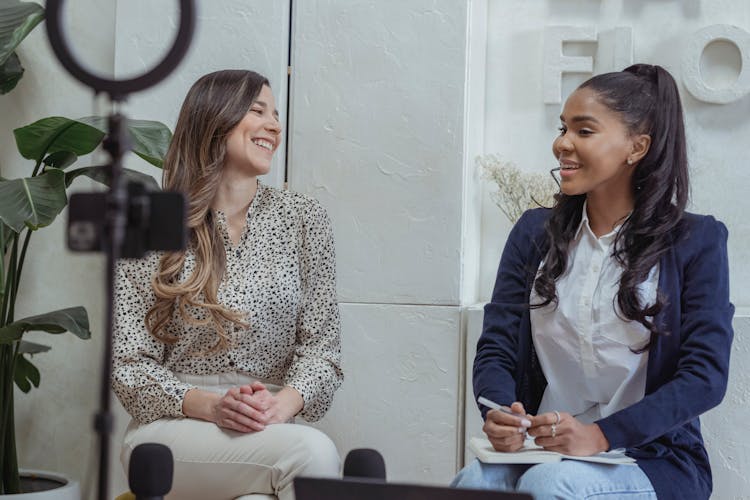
point(568, 435)
point(251, 407)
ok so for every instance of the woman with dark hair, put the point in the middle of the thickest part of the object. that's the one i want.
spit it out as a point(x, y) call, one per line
point(219, 347)
point(610, 322)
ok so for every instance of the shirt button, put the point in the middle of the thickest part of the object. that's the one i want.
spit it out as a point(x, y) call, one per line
point(238, 253)
point(595, 268)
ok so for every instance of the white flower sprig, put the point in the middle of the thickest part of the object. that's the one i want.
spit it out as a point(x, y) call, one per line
point(517, 191)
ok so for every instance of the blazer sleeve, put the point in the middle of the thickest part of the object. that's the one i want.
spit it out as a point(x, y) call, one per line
point(496, 361)
point(705, 337)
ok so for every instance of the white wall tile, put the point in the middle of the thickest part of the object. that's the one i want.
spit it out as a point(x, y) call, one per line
point(378, 138)
point(400, 389)
point(725, 427)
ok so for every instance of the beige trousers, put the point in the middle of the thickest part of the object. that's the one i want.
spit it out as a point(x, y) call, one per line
point(215, 463)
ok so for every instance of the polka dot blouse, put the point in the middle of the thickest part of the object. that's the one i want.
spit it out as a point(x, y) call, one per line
point(282, 273)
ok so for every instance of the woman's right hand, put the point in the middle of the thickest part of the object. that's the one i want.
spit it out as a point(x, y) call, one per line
point(232, 412)
point(506, 432)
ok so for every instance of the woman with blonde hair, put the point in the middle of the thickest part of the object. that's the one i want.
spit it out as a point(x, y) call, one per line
point(219, 347)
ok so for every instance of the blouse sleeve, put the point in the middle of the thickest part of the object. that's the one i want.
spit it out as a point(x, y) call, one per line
point(144, 386)
point(316, 370)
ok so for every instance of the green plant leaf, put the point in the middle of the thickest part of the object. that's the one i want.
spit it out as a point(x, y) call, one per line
point(26, 374)
point(17, 19)
point(32, 201)
point(150, 139)
point(56, 133)
point(60, 159)
point(73, 319)
point(100, 173)
point(10, 73)
point(26, 347)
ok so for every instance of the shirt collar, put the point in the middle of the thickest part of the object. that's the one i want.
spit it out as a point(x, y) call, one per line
point(221, 218)
point(257, 200)
point(584, 226)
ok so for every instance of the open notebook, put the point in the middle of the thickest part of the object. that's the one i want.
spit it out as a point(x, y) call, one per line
point(533, 454)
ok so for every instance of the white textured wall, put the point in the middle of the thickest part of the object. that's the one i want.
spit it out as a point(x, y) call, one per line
point(378, 133)
point(474, 124)
point(399, 395)
point(725, 427)
point(380, 137)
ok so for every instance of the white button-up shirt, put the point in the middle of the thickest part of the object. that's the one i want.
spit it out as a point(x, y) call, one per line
point(583, 346)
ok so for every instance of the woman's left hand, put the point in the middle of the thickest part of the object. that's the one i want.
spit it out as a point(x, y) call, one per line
point(271, 408)
point(567, 435)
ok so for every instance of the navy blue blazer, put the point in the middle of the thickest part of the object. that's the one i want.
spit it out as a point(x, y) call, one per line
point(687, 367)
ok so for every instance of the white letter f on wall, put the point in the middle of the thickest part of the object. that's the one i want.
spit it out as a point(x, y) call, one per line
point(556, 63)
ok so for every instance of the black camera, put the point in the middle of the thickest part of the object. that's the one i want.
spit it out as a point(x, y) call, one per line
point(155, 220)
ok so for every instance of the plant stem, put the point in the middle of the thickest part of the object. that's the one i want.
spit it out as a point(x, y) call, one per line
point(9, 301)
point(9, 470)
point(21, 258)
point(38, 163)
point(5, 352)
point(2, 251)
point(9, 281)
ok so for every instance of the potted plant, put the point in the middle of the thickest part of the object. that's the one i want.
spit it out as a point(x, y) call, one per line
point(27, 204)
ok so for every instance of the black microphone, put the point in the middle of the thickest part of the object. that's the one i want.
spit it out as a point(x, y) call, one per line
point(364, 462)
point(150, 471)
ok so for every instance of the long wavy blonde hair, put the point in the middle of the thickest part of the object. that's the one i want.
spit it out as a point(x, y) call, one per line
point(214, 105)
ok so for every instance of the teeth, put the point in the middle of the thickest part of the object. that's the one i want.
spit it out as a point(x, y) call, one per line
point(264, 144)
point(569, 167)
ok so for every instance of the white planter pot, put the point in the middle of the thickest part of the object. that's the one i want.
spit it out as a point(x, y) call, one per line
point(68, 490)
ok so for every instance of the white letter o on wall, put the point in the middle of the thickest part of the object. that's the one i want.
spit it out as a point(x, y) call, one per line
point(691, 63)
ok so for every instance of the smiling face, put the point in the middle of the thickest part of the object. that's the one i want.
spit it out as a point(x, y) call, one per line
point(252, 142)
point(597, 153)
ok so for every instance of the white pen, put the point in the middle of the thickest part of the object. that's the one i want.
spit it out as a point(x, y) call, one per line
point(491, 404)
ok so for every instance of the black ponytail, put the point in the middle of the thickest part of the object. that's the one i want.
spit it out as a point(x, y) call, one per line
point(647, 100)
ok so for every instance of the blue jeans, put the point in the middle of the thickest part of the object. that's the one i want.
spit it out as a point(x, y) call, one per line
point(568, 479)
